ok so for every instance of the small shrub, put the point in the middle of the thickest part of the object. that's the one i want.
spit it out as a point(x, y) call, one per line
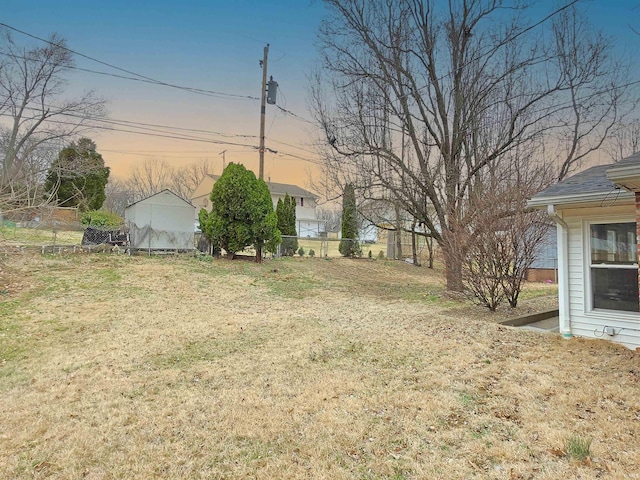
point(312, 253)
point(578, 447)
point(380, 255)
point(370, 254)
point(100, 218)
point(301, 252)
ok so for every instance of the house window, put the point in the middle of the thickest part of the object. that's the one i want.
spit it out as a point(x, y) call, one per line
point(614, 266)
point(301, 202)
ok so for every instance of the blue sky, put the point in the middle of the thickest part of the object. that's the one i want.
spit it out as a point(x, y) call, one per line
point(216, 45)
point(211, 45)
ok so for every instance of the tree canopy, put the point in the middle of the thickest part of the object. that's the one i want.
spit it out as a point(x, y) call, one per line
point(242, 213)
point(78, 177)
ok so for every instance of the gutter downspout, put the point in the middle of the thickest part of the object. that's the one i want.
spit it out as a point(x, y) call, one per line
point(563, 271)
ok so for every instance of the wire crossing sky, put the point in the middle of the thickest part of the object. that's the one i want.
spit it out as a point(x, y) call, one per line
point(183, 80)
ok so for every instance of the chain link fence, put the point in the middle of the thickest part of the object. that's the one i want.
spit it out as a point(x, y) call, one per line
point(59, 237)
point(385, 247)
point(71, 236)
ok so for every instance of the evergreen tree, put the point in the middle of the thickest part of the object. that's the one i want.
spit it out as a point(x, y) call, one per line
point(349, 246)
point(286, 213)
point(242, 213)
point(78, 177)
point(264, 224)
point(206, 243)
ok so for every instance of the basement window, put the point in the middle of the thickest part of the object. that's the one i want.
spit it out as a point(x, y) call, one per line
point(614, 266)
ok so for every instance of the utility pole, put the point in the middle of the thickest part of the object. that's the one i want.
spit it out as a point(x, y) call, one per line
point(263, 109)
point(224, 160)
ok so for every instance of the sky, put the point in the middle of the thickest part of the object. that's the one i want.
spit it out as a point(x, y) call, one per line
point(210, 45)
point(216, 45)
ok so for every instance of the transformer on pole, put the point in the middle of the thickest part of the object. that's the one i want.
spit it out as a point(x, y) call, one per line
point(272, 90)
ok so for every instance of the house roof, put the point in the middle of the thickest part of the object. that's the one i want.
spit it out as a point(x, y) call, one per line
point(589, 186)
point(166, 190)
point(278, 188)
point(292, 190)
point(626, 172)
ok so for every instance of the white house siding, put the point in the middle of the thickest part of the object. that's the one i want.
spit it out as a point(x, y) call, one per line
point(583, 322)
point(309, 228)
point(161, 222)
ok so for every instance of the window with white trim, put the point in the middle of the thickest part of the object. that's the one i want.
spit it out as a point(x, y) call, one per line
point(614, 266)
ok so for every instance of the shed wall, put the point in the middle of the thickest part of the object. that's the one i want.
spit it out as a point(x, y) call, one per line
point(161, 222)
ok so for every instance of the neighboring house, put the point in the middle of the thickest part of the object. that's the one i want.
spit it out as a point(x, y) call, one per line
point(307, 224)
point(163, 221)
point(545, 266)
point(598, 216)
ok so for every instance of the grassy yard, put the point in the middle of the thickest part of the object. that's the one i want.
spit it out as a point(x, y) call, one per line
point(134, 367)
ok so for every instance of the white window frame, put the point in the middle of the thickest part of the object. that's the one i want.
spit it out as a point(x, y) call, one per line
point(588, 286)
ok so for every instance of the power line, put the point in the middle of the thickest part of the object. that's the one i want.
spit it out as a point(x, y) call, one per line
point(288, 112)
point(280, 153)
point(142, 124)
point(158, 127)
point(284, 110)
point(141, 77)
point(290, 145)
point(177, 137)
point(211, 93)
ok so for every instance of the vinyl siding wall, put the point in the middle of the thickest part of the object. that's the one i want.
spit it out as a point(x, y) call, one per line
point(586, 322)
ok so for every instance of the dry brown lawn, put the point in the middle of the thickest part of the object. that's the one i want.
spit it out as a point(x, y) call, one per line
point(116, 367)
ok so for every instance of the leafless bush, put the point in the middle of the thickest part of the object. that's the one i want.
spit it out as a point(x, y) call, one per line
point(499, 237)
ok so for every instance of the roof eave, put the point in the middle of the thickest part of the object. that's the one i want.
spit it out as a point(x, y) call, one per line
point(567, 201)
point(627, 176)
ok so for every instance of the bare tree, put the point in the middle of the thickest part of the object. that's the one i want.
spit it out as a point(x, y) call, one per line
point(186, 179)
point(501, 241)
point(38, 118)
point(151, 176)
point(625, 141)
point(331, 217)
point(155, 175)
point(119, 196)
point(593, 103)
point(421, 100)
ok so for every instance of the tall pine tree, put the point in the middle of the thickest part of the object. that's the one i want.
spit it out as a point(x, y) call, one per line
point(286, 212)
point(349, 246)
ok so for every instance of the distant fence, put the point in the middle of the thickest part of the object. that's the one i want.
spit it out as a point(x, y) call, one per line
point(62, 237)
point(330, 247)
point(59, 237)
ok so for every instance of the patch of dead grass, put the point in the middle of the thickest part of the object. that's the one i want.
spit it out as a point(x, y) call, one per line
point(175, 368)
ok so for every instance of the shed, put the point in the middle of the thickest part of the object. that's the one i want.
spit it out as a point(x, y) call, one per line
point(163, 221)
